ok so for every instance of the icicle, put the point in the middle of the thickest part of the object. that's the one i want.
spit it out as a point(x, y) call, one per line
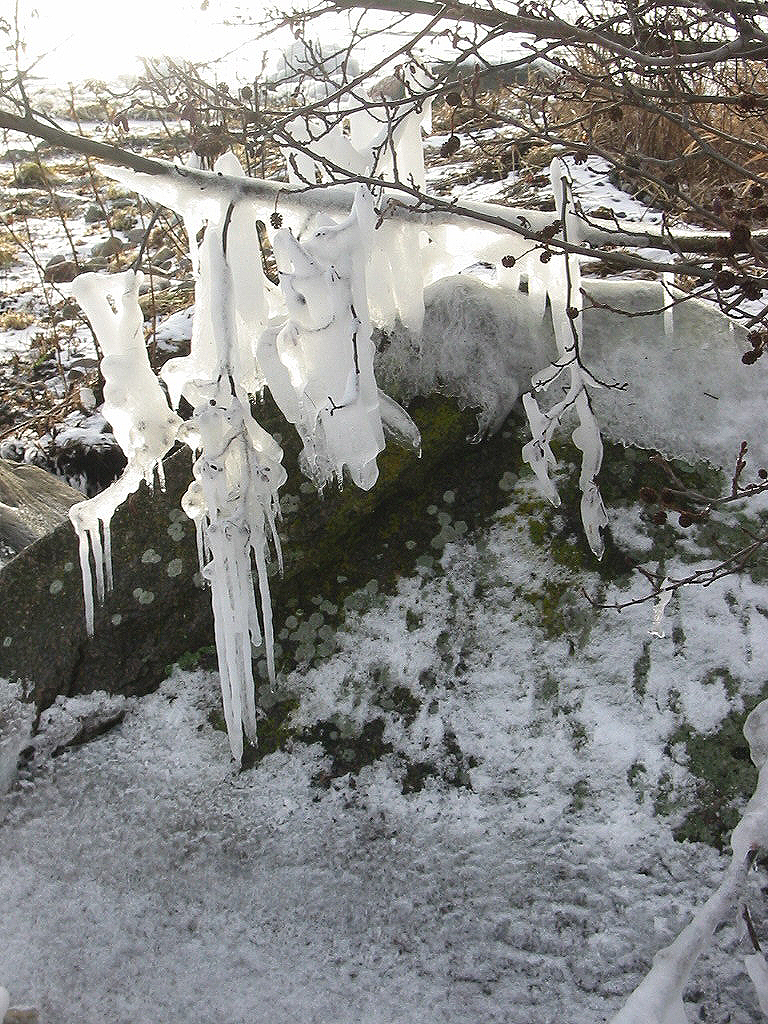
point(193, 222)
point(248, 281)
point(233, 498)
point(537, 452)
point(395, 275)
point(390, 149)
point(398, 424)
point(84, 550)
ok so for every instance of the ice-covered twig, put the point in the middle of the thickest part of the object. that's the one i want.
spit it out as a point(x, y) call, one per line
point(563, 287)
point(658, 999)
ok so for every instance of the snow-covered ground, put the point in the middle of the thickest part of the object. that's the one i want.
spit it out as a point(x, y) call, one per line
point(142, 879)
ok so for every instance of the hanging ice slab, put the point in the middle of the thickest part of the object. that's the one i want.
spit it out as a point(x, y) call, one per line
point(319, 362)
point(136, 407)
point(234, 496)
point(249, 284)
point(388, 144)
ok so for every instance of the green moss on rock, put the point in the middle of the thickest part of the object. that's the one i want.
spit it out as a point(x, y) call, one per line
point(724, 777)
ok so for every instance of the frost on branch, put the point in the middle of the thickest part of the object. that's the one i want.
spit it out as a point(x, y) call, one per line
point(658, 999)
point(561, 279)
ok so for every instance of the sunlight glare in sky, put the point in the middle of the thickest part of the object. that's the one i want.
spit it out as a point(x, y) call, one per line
point(104, 39)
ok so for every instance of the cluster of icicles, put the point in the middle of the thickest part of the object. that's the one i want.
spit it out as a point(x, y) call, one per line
point(308, 341)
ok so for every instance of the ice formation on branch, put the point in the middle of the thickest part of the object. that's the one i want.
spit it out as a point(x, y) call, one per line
point(134, 403)
point(385, 142)
point(317, 360)
point(562, 282)
point(658, 999)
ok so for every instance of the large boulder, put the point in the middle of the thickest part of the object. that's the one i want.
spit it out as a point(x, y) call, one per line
point(159, 608)
point(32, 504)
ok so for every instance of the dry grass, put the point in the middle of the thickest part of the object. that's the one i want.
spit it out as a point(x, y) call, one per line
point(672, 148)
point(8, 251)
point(15, 320)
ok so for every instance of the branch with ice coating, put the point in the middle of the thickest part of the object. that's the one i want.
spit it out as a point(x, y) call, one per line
point(317, 362)
point(658, 999)
point(562, 282)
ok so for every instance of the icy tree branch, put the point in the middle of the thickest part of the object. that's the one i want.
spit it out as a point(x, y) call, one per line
point(658, 999)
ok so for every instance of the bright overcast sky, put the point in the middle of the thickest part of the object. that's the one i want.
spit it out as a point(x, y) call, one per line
point(103, 38)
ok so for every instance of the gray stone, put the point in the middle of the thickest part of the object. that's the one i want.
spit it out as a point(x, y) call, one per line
point(32, 503)
point(110, 247)
point(61, 271)
point(43, 643)
point(159, 284)
point(94, 214)
point(164, 255)
point(158, 610)
point(18, 156)
point(98, 263)
point(34, 175)
point(159, 273)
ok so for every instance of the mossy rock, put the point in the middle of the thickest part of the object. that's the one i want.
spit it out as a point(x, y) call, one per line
point(334, 545)
point(34, 175)
point(724, 777)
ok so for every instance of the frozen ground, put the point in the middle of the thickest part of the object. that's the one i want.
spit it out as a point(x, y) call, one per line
point(142, 880)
